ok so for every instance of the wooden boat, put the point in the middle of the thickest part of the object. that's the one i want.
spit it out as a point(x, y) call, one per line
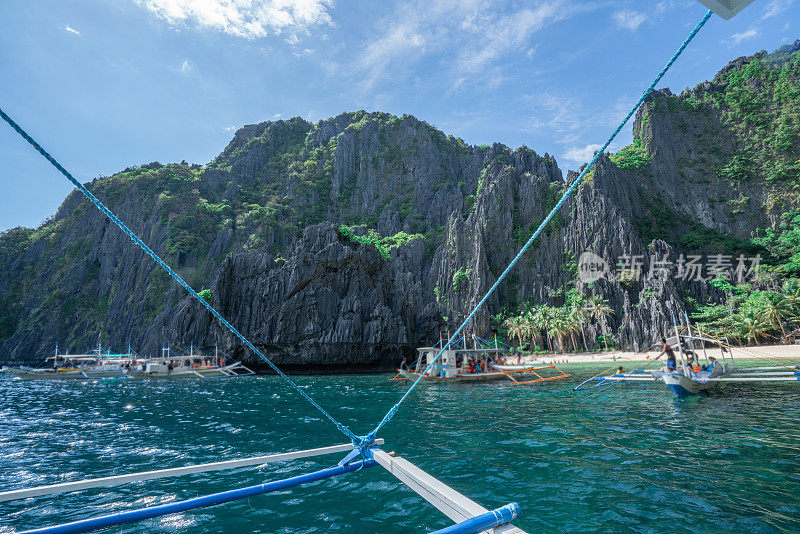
point(92, 366)
point(192, 365)
point(481, 363)
point(690, 378)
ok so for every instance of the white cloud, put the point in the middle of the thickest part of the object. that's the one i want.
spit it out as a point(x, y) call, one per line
point(737, 38)
point(186, 66)
point(482, 36)
point(581, 155)
point(230, 128)
point(244, 18)
point(567, 121)
point(775, 8)
point(510, 32)
point(667, 5)
point(403, 41)
point(563, 112)
point(72, 30)
point(628, 20)
point(306, 52)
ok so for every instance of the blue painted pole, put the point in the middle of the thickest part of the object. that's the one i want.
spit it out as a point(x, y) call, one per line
point(479, 523)
point(87, 525)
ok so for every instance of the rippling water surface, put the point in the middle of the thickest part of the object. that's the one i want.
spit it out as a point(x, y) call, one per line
point(629, 459)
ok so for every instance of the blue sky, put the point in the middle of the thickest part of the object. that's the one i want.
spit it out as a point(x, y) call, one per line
point(104, 84)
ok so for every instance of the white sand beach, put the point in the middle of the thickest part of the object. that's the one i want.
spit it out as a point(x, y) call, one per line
point(768, 352)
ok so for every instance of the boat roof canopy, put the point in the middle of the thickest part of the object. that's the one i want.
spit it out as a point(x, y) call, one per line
point(456, 349)
point(726, 9)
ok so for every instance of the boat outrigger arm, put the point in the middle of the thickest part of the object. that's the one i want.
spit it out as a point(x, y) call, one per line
point(470, 517)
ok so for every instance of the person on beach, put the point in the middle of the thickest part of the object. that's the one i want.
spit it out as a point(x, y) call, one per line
point(666, 349)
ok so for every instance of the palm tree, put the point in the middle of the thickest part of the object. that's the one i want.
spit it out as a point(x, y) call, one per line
point(548, 318)
point(791, 290)
point(560, 326)
point(599, 309)
point(580, 315)
point(750, 323)
point(533, 325)
point(516, 328)
point(777, 308)
point(573, 326)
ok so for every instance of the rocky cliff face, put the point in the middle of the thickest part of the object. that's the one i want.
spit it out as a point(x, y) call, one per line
point(349, 242)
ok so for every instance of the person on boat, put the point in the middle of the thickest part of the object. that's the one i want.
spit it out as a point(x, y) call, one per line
point(666, 349)
point(472, 366)
point(170, 366)
point(403, 364)
point(688, 369)
point(713, 365)
point(620, 370)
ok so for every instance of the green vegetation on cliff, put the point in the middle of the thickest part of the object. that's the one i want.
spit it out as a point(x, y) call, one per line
point(384, 245)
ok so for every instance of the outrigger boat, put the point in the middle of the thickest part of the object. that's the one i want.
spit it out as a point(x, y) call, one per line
point(99, 363)
point(480, 363)
point(689, 380)
point(192, 365)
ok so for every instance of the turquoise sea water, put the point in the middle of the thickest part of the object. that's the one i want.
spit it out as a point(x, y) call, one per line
point(629, 459)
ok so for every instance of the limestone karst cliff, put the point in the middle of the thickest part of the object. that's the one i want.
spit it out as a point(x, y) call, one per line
point(348, 242)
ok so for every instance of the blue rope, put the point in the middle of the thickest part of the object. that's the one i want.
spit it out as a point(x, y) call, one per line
point(346, 431)
point(567, 193)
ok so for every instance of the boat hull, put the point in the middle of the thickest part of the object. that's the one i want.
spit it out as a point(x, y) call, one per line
point(472, 377)
point(516, 367)
point(227, 372)
point(683, 386)
point(88, 374)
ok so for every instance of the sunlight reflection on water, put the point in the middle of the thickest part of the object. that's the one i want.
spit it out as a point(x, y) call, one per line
point(626, 459)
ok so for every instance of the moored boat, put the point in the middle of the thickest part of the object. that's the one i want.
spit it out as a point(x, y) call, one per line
point(689, 377)
point(192, 365)
point(483, 362)
point(92, 366)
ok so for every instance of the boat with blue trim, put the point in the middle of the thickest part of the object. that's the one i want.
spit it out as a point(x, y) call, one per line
point(483, 362)
point(686, 376)
point(98, 363)
point(192, 365)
